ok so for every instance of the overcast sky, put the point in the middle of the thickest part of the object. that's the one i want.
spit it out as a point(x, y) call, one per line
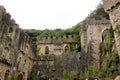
point(51, 14)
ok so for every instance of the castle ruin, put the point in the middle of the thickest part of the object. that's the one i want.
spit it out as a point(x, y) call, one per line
point(17, 53)
point(91, 39)
point(113, 8)
point(54, 53)
point(16, 50)
point(54, 45)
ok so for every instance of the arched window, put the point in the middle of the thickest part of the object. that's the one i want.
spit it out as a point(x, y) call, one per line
point(66, 48)
point(10, 30)
point(6, 74)
point(46, 50)
point(104, 34)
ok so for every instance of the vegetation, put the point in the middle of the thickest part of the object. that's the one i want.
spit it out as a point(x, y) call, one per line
point(99, 13)
point(32, 76)
point(117, 29)
point(108, 55)
point(57, 33)
point(37, 52)
point(66, 75)
point(109, 59)
point(33, 34)
point(13, 77)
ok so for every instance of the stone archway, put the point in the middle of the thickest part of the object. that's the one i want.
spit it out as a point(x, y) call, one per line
point(20, 77)
point(6, 74)
point(67, 48)
point(104, 34)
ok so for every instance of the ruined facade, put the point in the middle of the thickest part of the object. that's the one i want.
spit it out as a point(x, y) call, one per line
point(113, 8)
point(55, 56)
point(16, 51)
point(54, 45)
point(91, 39)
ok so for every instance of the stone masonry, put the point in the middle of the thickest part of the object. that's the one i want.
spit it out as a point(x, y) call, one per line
point(55, 56)
point(113, 8)
point(16, 51)
point(91, 38)
point(54, 45)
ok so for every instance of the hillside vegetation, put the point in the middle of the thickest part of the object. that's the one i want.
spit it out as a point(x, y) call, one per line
point(98, 13)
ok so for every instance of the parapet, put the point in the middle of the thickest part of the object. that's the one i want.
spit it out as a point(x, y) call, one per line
point(97, 22)
point(56, 40)
point(11, 33)
point(92, 21)
point(109, 4)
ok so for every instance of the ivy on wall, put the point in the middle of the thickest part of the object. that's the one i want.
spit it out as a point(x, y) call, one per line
point(109, 60)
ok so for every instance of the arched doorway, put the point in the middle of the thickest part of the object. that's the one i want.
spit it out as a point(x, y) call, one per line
point(104, 34)
point(20, 77)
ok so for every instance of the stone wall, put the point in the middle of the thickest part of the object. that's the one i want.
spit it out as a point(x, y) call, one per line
point(55, 57)
point(57, 40)
point(55, 45)
point(108, 5)
point(91, 38)
point(16, 51)
point(52, 66)
point(113, 8)
point(53, 48)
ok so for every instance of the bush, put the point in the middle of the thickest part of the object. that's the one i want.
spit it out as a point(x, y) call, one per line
point(66, 75)
point(13, 77)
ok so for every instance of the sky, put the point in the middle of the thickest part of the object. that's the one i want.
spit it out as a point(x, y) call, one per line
point(49, 14)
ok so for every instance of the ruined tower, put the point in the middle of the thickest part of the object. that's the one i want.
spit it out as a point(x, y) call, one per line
point(16, 51)
point(55, 45)
point(91, 38)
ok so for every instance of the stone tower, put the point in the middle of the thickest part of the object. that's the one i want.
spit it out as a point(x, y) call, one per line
point(91, 38)
point(16, 51)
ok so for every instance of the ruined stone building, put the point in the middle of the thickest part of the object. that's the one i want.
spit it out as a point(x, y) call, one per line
point(16, 51)
point(91, 39)
point(113, 8)
point(54, 45)
point(51, 61)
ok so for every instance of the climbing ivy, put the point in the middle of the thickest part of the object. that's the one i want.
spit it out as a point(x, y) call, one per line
point(37, 52)
point(13, 77)
point(108, 57)
point(66, 75)
point(32, 76)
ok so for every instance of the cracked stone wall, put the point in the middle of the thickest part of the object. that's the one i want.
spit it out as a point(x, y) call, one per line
point(16, 51)
point(91, 38)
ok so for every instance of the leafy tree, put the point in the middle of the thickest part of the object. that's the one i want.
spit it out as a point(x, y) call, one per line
point(99, 13)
